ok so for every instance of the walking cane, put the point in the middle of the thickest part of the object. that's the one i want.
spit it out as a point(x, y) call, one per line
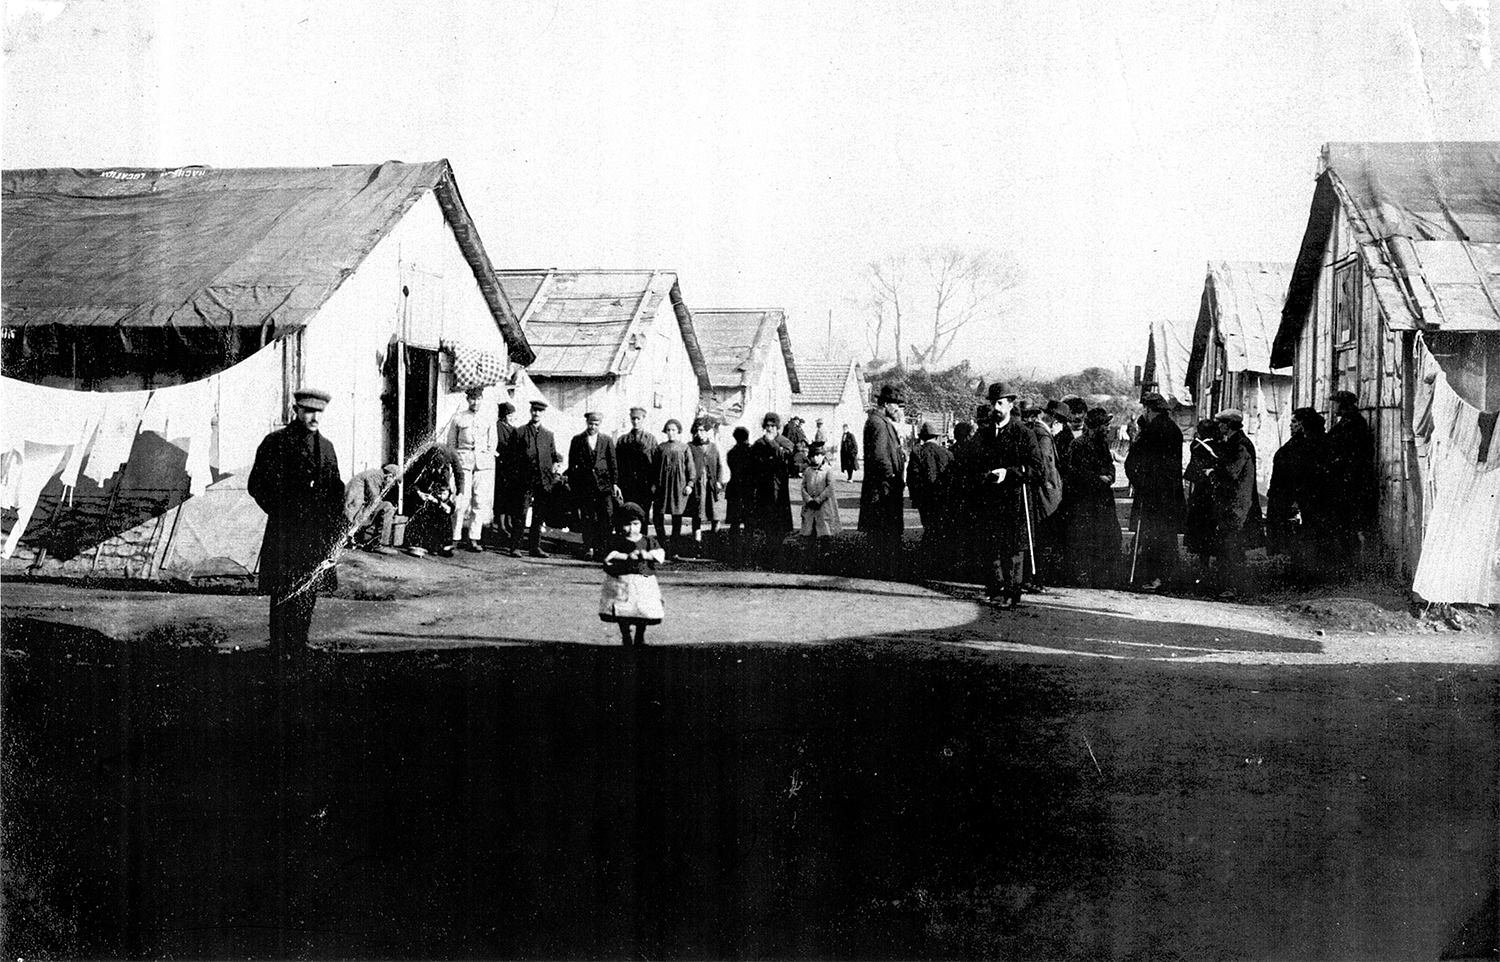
point(1135, 549)
point(1030, 542)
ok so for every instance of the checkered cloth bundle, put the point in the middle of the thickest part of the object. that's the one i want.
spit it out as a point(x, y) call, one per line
point(473, 367)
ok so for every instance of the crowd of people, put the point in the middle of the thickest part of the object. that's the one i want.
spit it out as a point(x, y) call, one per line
point(1022, 495)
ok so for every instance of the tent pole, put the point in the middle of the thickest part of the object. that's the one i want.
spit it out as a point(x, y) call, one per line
point(401, 399)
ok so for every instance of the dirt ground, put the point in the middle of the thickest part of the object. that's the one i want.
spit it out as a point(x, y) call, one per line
point(798, 766)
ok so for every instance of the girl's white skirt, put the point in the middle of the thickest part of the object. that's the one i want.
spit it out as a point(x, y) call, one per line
point(631, 598)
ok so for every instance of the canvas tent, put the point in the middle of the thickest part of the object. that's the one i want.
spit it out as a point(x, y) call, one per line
point(751, 369)
point(157, 321)
point(834, 391)
point(1396, 296)
point(607, 341)
point(1230, 364)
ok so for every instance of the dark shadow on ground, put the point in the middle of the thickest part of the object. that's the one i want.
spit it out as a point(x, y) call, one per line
point(849, 800)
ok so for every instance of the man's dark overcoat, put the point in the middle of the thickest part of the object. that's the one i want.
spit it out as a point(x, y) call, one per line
point(925, 478)
point(1353, 497)
point(1154, 467)
point(592, 472)
point(1299, 488)
point(768, 500)
point(296, 482)
point(880, 497)
point(996, 511)
point(635, 453)
point(534, 455)
point(848, 453)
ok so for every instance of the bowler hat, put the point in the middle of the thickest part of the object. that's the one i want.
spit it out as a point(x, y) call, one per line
point(507, 409)
point(891, 394)
point(816, 447)
point(1345, 397)
point(999, 390)
point(1097, 418)
point(311, 398)
point(927, 431)
point(1076, 405)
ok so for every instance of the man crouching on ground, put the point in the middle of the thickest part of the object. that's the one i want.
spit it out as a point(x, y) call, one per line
point(297, 484)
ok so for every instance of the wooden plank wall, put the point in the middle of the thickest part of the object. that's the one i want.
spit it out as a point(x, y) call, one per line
point(1381, 374)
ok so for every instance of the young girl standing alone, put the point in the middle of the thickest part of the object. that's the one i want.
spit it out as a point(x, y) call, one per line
point(631, 598)
point(820, 501)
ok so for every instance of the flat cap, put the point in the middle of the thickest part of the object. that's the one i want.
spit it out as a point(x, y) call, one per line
point(1151, 399)
point(1230, 415)
point(311, 398)
point(927, 431)
point(593, 417)
point(1347, 397)
point(539, 405)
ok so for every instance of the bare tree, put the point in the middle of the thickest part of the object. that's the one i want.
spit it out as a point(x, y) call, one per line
point(888, 296)
point(965, 286)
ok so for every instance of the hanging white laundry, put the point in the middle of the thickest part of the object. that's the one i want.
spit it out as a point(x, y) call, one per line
point(40, 464)
point(115, 436)
point(10, 478)
point(91, 408)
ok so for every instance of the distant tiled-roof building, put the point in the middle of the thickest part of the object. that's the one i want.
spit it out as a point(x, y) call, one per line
point(834, 391)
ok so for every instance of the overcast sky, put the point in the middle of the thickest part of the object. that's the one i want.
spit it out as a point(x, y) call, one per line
point(767, 152)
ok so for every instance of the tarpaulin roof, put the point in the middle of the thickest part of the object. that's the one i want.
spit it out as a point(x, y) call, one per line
point(1242, 300)
point(594, 323)
point(737, 344)
point(823, 382)
point(207, 247)
point(1426, 217)
point(1167, 353)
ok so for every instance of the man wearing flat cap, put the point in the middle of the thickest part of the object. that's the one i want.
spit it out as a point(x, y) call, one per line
point(295, 480)
point(1353, 494)
point(880, 496)
point(1002, 460)
point(1154, 467)
point(472, 439)
point(1236, 503)
point(594, 482)
point(538, 467)
point(635, 452)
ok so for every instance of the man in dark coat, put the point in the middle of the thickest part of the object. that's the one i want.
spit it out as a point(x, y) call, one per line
point(925, 476)
point(635, 452)
point(1201, 526)
point(1044, 497)
point(768, 503)
point(502, 524)
point(296, 482)
point(848, 454)
point(797, 437)
point(999, 462)
point(1353, 497)
point(593, 480)
point(1091, 529)
point(1297, 500)
point(1154, 467)
point(1235, 503)
point(538, 466)
point(880, 496)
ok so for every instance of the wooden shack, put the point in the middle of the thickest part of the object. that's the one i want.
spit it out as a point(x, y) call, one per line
point(1396, 296)
point(1230, 365)
point(750, 364)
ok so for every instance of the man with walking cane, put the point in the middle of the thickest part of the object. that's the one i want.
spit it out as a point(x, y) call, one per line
point(998, 464)
point(1154, 467)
